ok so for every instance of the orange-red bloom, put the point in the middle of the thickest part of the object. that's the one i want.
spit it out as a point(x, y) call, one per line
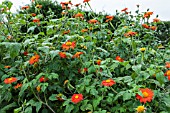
point(25, 7)
point(66, 3)
point(7, 67)
point(76, 98)
point(93, 21)
point(36, 20)
point(34, 59)
point(108, 82)
point(62, 54)
point(118, 58)
point(33, 14)
point(17, 86)
point(130, 33)
point(77, 5)
point(66, 32)
point(86, 1)
point(167, 65)
point(43, 79)
point(84, 30)
point(147, 14)
point(125, 9)
point(156, 20)
point(153, 28)
point(147, 95)
point(10, 80)
point(79, 15)
point(109, 18)
point(25, 53)
point(98, 62)
point(68, 45)
point(167, 73)
point(77, 55)
point(145, 26)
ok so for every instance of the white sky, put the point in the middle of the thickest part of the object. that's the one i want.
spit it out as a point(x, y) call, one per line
point(159, 7)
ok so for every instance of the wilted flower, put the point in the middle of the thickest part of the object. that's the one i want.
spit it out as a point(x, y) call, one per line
point(118, 58)
point(62, 54)
point(77, 55)
point(43, 79)
point(34, 59)
point(17, 86)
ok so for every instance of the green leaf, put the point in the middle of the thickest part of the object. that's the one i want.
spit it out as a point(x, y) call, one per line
point(126, 96)
point(53, 97)
point(54, 53)
point(44, 49)
point(69, 108)
point(28, 109)
point(91, 69)
point(38, 106)
point(18, 110)
point(160, 77)
point(96, 102)
point(137, 68)
point(44, 86)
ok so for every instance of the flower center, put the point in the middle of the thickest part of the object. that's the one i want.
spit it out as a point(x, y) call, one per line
point(145, 94)
point(107, 81)
point(10, 79)
point(68, 43)
point(76, 96)
point(140, 109)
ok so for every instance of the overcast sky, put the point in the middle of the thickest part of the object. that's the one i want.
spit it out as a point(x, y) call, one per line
point(159, 7)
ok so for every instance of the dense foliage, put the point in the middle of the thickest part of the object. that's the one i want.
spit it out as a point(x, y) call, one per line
point(82, 63)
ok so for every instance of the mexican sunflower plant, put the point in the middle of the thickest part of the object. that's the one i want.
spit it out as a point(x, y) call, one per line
point(81, 61)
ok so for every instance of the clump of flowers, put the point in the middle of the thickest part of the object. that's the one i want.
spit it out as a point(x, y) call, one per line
point(147, 95)
point(76, 98)
point(130, 33)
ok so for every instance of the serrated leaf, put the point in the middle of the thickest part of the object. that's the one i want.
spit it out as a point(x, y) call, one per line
point(126, 96)
point(53, 97)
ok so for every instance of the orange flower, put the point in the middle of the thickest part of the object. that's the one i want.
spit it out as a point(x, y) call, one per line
point(98, 62)
point(86, 1)
point(7, 67)
point(109, 18)
point(34, 59)
point(17, 86)
point(25, 7)
point(125, 9)
point(84, 30)
point(167, 65)
point(130, 33)
point(39, 6)
point(156, 20)
point(36, 20)
point(93, 21)
point(153, 28)
point(145, 26)
point(10, 80)
point(147, 95)
point(43, 79)
point(66, 32)
point(62, 54)
point(147, 14)
point(108, 82)
point(33, 14)
point(9, 37)
point(68, 45)
point(77, 5)
point(77, 55)
point(78, 15)
point(64, 13)
point(76, 98)
point(167, 73)
point(66, 3)
point(38, 88)
point(118, 58)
